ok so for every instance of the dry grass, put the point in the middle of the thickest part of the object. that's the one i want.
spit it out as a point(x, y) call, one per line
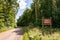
point(36, 34)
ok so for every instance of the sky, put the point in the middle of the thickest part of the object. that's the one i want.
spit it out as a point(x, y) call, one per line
point(23, 4)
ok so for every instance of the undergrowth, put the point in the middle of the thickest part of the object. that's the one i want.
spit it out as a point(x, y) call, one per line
point(35, 33)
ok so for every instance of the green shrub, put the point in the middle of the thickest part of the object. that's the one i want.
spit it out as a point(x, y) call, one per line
point(5, 29)
point(25, 36)
point(33, 34)
point(36, 34)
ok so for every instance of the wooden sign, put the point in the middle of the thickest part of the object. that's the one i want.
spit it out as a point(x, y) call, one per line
point(46, 21)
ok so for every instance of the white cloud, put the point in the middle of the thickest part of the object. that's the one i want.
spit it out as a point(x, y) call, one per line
point(23, 0)
point(22, 4)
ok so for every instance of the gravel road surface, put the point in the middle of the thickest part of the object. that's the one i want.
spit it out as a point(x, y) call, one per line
point(14, 34)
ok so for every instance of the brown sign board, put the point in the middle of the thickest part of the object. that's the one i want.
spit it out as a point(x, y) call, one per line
point(47, 21)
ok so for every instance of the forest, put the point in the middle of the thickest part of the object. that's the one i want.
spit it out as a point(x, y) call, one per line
point(8, 11)
point(40, 8)
point(29, 24)
point(31, 20)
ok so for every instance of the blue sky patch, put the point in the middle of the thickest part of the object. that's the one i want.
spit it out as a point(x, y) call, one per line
point(23, 4)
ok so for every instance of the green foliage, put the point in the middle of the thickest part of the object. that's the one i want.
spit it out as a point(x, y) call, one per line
point(46, 8)
point(25, 36)
point(31, 34)
point(36, 34)
point(2, 29)
point(8, 10)
point(25, 19)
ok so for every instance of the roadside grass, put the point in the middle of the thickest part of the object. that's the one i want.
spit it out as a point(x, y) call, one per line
point(35, 33)
point(5, 29)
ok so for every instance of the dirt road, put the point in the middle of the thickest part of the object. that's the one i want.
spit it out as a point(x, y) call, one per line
point(15, 34)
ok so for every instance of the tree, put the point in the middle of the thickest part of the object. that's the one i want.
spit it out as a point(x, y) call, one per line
point(40, 8)
point(8, 11)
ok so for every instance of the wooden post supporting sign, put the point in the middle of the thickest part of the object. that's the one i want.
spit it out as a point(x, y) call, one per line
point(47, 21)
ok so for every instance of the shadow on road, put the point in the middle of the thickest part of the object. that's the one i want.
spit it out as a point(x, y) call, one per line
point(19, 31)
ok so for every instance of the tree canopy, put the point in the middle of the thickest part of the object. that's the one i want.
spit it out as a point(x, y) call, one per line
point(40, 8)
point(8, 11)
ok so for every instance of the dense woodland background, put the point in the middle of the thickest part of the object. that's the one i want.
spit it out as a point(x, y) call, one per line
point(40, 8)
point(31, 19)
point(8, 11)
point(33, 15)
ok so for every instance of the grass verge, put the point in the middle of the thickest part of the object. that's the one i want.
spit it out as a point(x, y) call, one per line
point(35, 33)
point(5, 29)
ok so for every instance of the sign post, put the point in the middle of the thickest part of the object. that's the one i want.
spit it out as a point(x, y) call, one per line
point(47, 21)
